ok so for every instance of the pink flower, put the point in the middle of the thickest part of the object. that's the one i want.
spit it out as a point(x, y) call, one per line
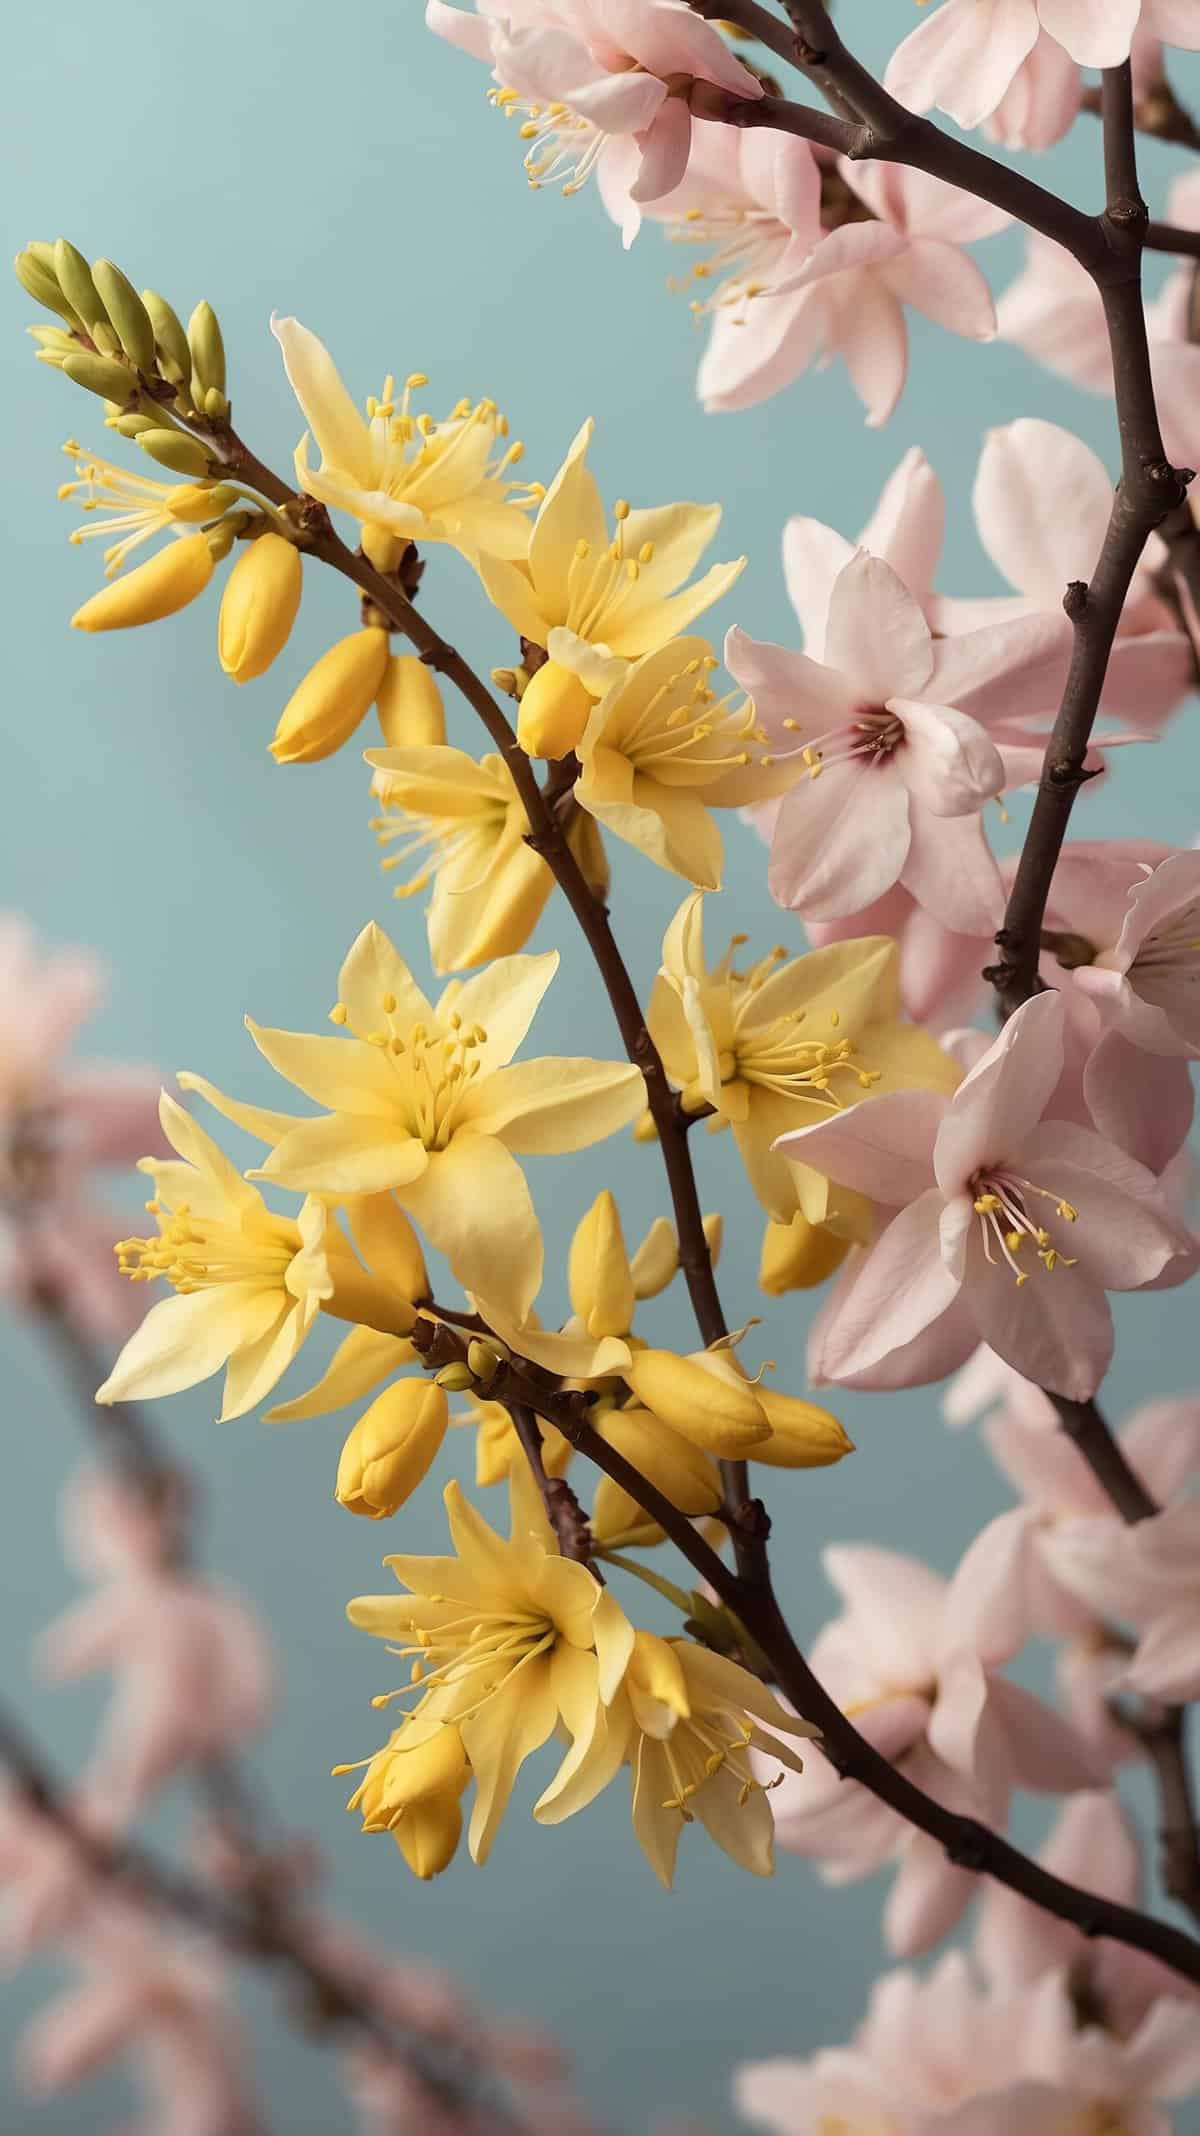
point(1042, 502)
point(1092, 1844)
point(43, 1877)
point(894, 238)
point(1149, 984)
point(1053, 311)
point(588, 74)
point(1010, 1226)
point(1042, 100)
point(750, 200)
point(896, 1661)
point(59, 1124)
point(1149, 1576)
point(192, 1672)
point(966, 57)
point(891, 729)
point(161, 2001)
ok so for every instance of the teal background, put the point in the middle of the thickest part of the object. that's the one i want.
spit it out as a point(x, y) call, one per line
point(342, 164)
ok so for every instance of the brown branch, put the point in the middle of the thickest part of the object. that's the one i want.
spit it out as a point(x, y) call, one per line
point(563, 1510)
point(1088, 1432)
point(450, 2077)
point(1162, 1734)
point(968, 1843)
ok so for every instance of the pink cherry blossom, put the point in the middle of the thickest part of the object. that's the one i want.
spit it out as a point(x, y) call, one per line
point(747, 211)
point(896, 1660)
point(1042, 501)
point(59, 1123)
point(894, 755)
point(43, 1879)
point(587, 74)
point(192, 1673)
point(1011, 1225)
point(967, 55)
point(1149, 984)
point(1053, 311)
point(1149, 1576)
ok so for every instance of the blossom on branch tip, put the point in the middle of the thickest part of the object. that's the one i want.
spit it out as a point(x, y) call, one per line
point(335, 696)
point(391, 1448)
point(422, 1101)
point(590, 79)
point(404, 477)
point(259, 606)
point(594, 600)
point(136, 507)
point(1010, 1225)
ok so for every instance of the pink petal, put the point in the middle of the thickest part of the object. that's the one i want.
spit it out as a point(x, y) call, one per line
point(664, 146)
point(985, 672)
point(949, 764)
point(840, 840)
point(1046, 1753)
point(947, 286)
point(876, 635)
point(899, 1288)
point(964, 57)
point(1124, 1235)
point(995, 1110)
point(1142, 1102)
point(908, 524)
point(952, 875)
point(988, 1603)
point(813, 556)
point(1095, 36)
point(1056, 1330)
point(884, 1149)
point(928, 1896)
point(1042, 500)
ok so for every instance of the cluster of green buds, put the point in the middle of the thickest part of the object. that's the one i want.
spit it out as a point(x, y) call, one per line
point(132, 350)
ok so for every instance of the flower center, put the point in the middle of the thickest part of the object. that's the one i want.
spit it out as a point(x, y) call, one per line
point(777, 1057)
point(1010, 1222)
point(871, 738)
point(748, 244)
point(425, 463)
point(685, 735)
point(439, 838)
point(466, 1658)
point(564, 146)
point(600, 580)
point(701, 1747)
point(433, 1069)
point(194, 1253)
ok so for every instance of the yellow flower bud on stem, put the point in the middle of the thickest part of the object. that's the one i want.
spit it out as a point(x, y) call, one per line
point(333, 697)
point(722, 1415)
point(105, 375)
point(391, 1448)
point(171, 342)
point(133, 324)
point(172, 448)
point(34, 269)
point(156, 589)
point(553, 712)
point(259, 605)
point(802, 1435)
point(409, 704)
point(74, 278)
point(207, 351)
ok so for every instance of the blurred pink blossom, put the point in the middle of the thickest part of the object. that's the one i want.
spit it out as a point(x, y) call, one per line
point(1147, 1575)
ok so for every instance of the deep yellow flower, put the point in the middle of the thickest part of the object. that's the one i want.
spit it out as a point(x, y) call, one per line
point(594, 599)
point(247, 1283)
point(404, 477)
point(511, 1642)
point(412, 1789)
point(423, 1101)
point(661, 750)
point(778, 1045)
point(686, 1721)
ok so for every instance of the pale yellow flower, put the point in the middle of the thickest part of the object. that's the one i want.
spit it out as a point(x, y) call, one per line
point(391, 1448)
point(118, 501)
point(422, 1100)
point(412, 1789)
point(661, 750)
point(247, 1284)
point(404, 477)
point(593, 598)
point(511, 1642)
point(687, 1722)
point(780, 1044)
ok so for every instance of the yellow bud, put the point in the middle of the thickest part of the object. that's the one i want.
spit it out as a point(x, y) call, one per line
point(713, 1227)
point(74, 278)
point(409, 704)
point(105, 375)
point(207, 351)
point(333, 697)
point(156, 589)
point(428, 1836)
point(724, 1416)
point(598, 1275)
point(656, 1262)
point(798, 1255)
point(258, 606)
point(644, 1129)
point(618, 1522)
point(802, 1435)
point(482, 1361)
point(391, 1447)
point(553, 712)
point(132, 321)
point(681, 1471)
point(174, 355)
point(173, 449)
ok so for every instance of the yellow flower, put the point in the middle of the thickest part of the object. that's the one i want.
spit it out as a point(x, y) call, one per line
point(661, 749)
point(798, 1255)
point(259, 605)
point(510, 1640)
point(412, 1789)
point(422, 1100)
point(404, 477)
point(593, 600)
point(686, 1722)
point(391, 1448)
point(247, 1283)
point(777, 1046)
point(136, 507)
point(498, 1450)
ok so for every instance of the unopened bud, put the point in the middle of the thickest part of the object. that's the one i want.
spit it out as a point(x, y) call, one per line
point(802, 1435)
point(482, 1361)
point(428, 1835)
point(258, 606)
point(170, 340)
point(644, 1129)
point(74, 278)
point(156, 589)
point(553, 713)
point(455, 1378)
point(34, 269)
point(105, 375)
point(391, 1448)
point(334, 696)
point(692, 1395)
point(598, 1274)
point(215, 404)
point(174, 449)
point(129, 316)
point(207, 350)
point(409, 704)
point(130, 424)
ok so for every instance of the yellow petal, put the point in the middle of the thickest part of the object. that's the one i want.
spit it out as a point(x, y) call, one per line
point(721, 1415)
point(409, 704)
point(473, 1204)
point(503, 1001)
point(546, 1107)
point(553, 712)
point(428, 1835)
point(598, 1274)
point(372, 971)
point(505, 1730)
point(155, 589)
point(344, 1074)
point(331, 415)
point(345, 1154)
point(358, 1364)
point(186, 1338)
point(797, 1255)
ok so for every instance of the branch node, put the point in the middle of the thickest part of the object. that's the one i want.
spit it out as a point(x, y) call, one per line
point(1075, 600)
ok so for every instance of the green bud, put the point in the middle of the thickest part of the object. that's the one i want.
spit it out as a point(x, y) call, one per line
point(54, 357)
point(175, 357)
point(171, 448)
point(127, 312)
point(456, 1378)
point(113, 381)
point(75, 281)
point(215, 404)
point(52, 337)
point(483, 1361)
point(131, 425)
point(208, 349)
point(106, 339)
point(37, 278)
point(221, 538)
